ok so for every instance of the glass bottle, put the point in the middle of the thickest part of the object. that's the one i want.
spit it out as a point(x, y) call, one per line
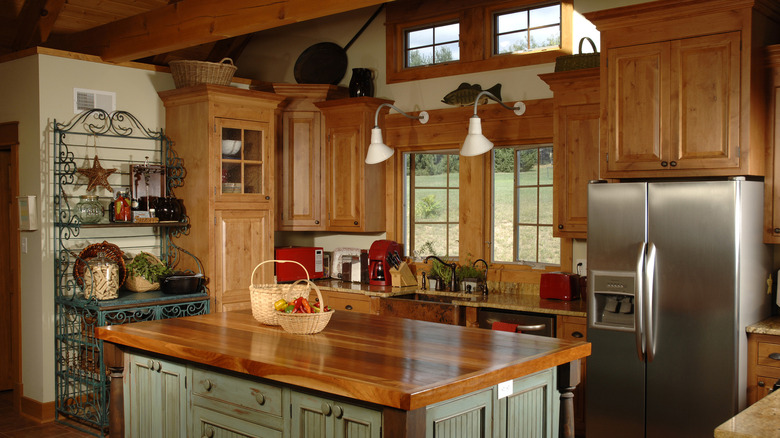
point(89, 210)
point(121, 207)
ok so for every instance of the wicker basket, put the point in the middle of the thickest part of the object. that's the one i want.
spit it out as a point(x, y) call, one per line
point(305, 323)
point(111, 251)
point(578, 61)
point(137, 283)
point(264, 296)
point(188, 73)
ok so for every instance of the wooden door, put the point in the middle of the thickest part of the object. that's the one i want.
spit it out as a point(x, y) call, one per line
point(301, 189)
point(243, 239)
point(7, 283)
point(637, 107)
point(345, 160)
point(705, 113)
point(244, 153)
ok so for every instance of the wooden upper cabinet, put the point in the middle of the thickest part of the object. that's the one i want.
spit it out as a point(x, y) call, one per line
point(772, 181)
point(575, 147)
point(355, 191)
point(681, 92)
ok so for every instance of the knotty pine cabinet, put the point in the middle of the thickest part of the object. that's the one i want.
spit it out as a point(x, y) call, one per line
point(763, 365)
point(300, 156)
point(355, 191)
point(772, 179)
point(681, 91)
point(226, 136)
point(575, 147)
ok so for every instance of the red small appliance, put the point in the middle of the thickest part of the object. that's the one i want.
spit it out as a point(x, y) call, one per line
point(310, 257)
point(560, 286)
point(378, 266)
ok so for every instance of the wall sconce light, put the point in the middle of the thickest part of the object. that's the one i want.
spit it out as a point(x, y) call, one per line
point(476, 143)
point(378, 151)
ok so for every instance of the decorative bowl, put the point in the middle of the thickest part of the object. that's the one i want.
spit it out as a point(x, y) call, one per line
point(230, 147)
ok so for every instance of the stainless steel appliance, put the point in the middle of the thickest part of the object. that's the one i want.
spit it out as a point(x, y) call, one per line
point(521, 322)
point(676, 270)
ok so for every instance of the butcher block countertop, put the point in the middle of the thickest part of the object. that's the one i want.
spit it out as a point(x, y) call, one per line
point(396, 362)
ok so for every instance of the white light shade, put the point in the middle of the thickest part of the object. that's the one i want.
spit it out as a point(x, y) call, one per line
point(475, 143)
point(378, 151)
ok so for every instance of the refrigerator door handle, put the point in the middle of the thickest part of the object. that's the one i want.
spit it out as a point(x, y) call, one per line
point(638, 301)
point(649, 299)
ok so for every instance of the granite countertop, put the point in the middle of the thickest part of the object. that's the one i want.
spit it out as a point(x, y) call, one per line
point(762, 419)
point(769, 326)
point(523, 299)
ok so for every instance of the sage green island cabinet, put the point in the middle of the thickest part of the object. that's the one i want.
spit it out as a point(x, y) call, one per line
point(158, 407)
point(317, 417)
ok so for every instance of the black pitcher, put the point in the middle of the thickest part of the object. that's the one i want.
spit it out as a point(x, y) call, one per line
point(362, 83)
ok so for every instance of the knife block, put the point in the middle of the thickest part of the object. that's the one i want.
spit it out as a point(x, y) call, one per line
point(402, 276)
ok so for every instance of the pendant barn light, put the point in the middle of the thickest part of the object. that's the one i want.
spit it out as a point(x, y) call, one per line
point(476, 143)
point(378, 151)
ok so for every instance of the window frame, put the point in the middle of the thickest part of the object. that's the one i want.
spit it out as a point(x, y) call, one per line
point(476, 37)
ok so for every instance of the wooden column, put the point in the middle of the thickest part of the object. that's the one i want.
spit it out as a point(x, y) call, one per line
point(568, 378)
point(114, 360)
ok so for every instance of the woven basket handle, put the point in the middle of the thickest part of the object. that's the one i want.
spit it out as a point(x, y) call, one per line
point(316, 289)
point(592, 44)
point(230, 61)
point(252, 278)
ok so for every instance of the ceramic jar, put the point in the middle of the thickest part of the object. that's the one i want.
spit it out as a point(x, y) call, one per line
point(361, 83)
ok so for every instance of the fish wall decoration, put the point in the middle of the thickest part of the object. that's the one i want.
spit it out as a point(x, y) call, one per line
point(465, 94)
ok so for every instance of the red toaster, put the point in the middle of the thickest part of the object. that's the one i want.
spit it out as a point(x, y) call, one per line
point(560, 286)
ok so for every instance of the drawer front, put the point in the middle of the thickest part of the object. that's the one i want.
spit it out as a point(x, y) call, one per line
point(243, 392)
point(212, 424)
point(345, 301)
point(769, 354)
point(572, 328)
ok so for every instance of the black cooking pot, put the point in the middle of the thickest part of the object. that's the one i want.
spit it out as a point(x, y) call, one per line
point(181, 283)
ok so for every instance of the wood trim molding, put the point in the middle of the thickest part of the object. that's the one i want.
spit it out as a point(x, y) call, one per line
point(40, 412)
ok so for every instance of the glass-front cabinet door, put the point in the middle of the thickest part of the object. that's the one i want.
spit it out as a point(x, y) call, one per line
point(245, 161)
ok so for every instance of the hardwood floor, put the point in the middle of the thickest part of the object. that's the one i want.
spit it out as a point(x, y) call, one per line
point(15, 426)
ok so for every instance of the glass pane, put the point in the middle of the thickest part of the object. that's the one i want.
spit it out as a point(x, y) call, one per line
point(448, 33)
point(419, 38)
point(526, 205)
point(429, 239)
point(430, 205)
point(253, 141)
point(545, 166)
point(503, 204)
point(526, 167)
point(407, 180)
point(545, 16)
point(231, 178)
point(512, 22)
point(448, 52)
point(453, 241)
point(545, 205)
point(417, 57)
point(430, 170)
point(549, 246)
point(454, 195)
point(512, 43)
point(253, 178)
point(526, 243)
point(231, 143)
point(545, 37)
point(454, 170)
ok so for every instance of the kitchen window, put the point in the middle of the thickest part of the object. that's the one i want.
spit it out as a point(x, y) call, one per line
point(431, 186)
point(528, 29)
point(432, 45)
point(523, 206)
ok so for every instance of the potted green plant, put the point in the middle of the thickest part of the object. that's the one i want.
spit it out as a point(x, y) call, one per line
point(441, 273)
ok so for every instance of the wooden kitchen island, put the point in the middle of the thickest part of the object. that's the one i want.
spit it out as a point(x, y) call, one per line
point(364, 375)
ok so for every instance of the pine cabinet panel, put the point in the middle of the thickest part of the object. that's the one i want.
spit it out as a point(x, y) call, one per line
point(772, 180)
point(300, 172)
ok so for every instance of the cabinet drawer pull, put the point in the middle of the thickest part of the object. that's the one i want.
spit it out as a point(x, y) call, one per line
point(207, 385)
point(348, 307)
point(338, 411)
point(774, 356)
point(761, 383)
point(209, 432)
point(673, 163)
point(664, 164)
point(777, 230)
point(577, 335)
point(260, 398)
point(326, 409)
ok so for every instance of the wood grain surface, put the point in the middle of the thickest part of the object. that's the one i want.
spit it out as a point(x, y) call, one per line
point(394, 362)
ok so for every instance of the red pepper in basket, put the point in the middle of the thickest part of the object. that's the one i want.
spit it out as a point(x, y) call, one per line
point(305, 305)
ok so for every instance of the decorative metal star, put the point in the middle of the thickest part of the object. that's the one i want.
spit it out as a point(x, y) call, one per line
point(97, 175)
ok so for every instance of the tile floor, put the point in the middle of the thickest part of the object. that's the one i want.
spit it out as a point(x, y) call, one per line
point(15, 426)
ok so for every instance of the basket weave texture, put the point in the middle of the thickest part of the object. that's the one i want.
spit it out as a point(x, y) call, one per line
point(263, 296)
point(137, 283)
point(305, 323)
point(188, 73)
point(578, 61)
point(111, 252)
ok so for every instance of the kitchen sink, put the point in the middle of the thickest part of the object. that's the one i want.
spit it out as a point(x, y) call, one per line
point(431, 298)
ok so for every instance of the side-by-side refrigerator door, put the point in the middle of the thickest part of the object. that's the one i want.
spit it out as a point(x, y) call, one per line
point(617, 231)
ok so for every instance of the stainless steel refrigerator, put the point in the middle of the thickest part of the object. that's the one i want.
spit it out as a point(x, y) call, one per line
point(676, 270)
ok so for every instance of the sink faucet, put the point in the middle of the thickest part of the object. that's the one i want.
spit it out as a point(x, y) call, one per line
point(482, 286)
point(453, 278)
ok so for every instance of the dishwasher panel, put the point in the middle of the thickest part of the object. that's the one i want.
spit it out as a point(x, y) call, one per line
point(528, 323)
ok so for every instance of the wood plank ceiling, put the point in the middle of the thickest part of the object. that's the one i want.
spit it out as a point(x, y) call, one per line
point(153, 31)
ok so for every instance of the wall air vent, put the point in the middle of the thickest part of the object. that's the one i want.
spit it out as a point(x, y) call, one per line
point(91, 99)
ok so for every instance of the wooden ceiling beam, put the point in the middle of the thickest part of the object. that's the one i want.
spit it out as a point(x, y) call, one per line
point(189, 23)
point(36, 19)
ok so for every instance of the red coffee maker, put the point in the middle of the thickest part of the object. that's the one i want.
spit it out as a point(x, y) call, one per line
point(378, 266)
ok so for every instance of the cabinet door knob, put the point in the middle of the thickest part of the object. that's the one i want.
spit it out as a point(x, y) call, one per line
point(207, 385)
point(260, 398)
point(777, 230)
point(348, 307)
point(338, 411)
point(577, 335)
point(326, 409)
point(560, 226)
point(150, 364)
point(673, 163)
point(774, 356)
point(267, 198)
point(664, 164)
point(761, 383)
point(316, 222)
point(209, 432)
point(356, 222)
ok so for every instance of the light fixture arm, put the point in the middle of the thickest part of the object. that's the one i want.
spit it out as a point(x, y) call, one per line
point(519, 107)
point(423, 117)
